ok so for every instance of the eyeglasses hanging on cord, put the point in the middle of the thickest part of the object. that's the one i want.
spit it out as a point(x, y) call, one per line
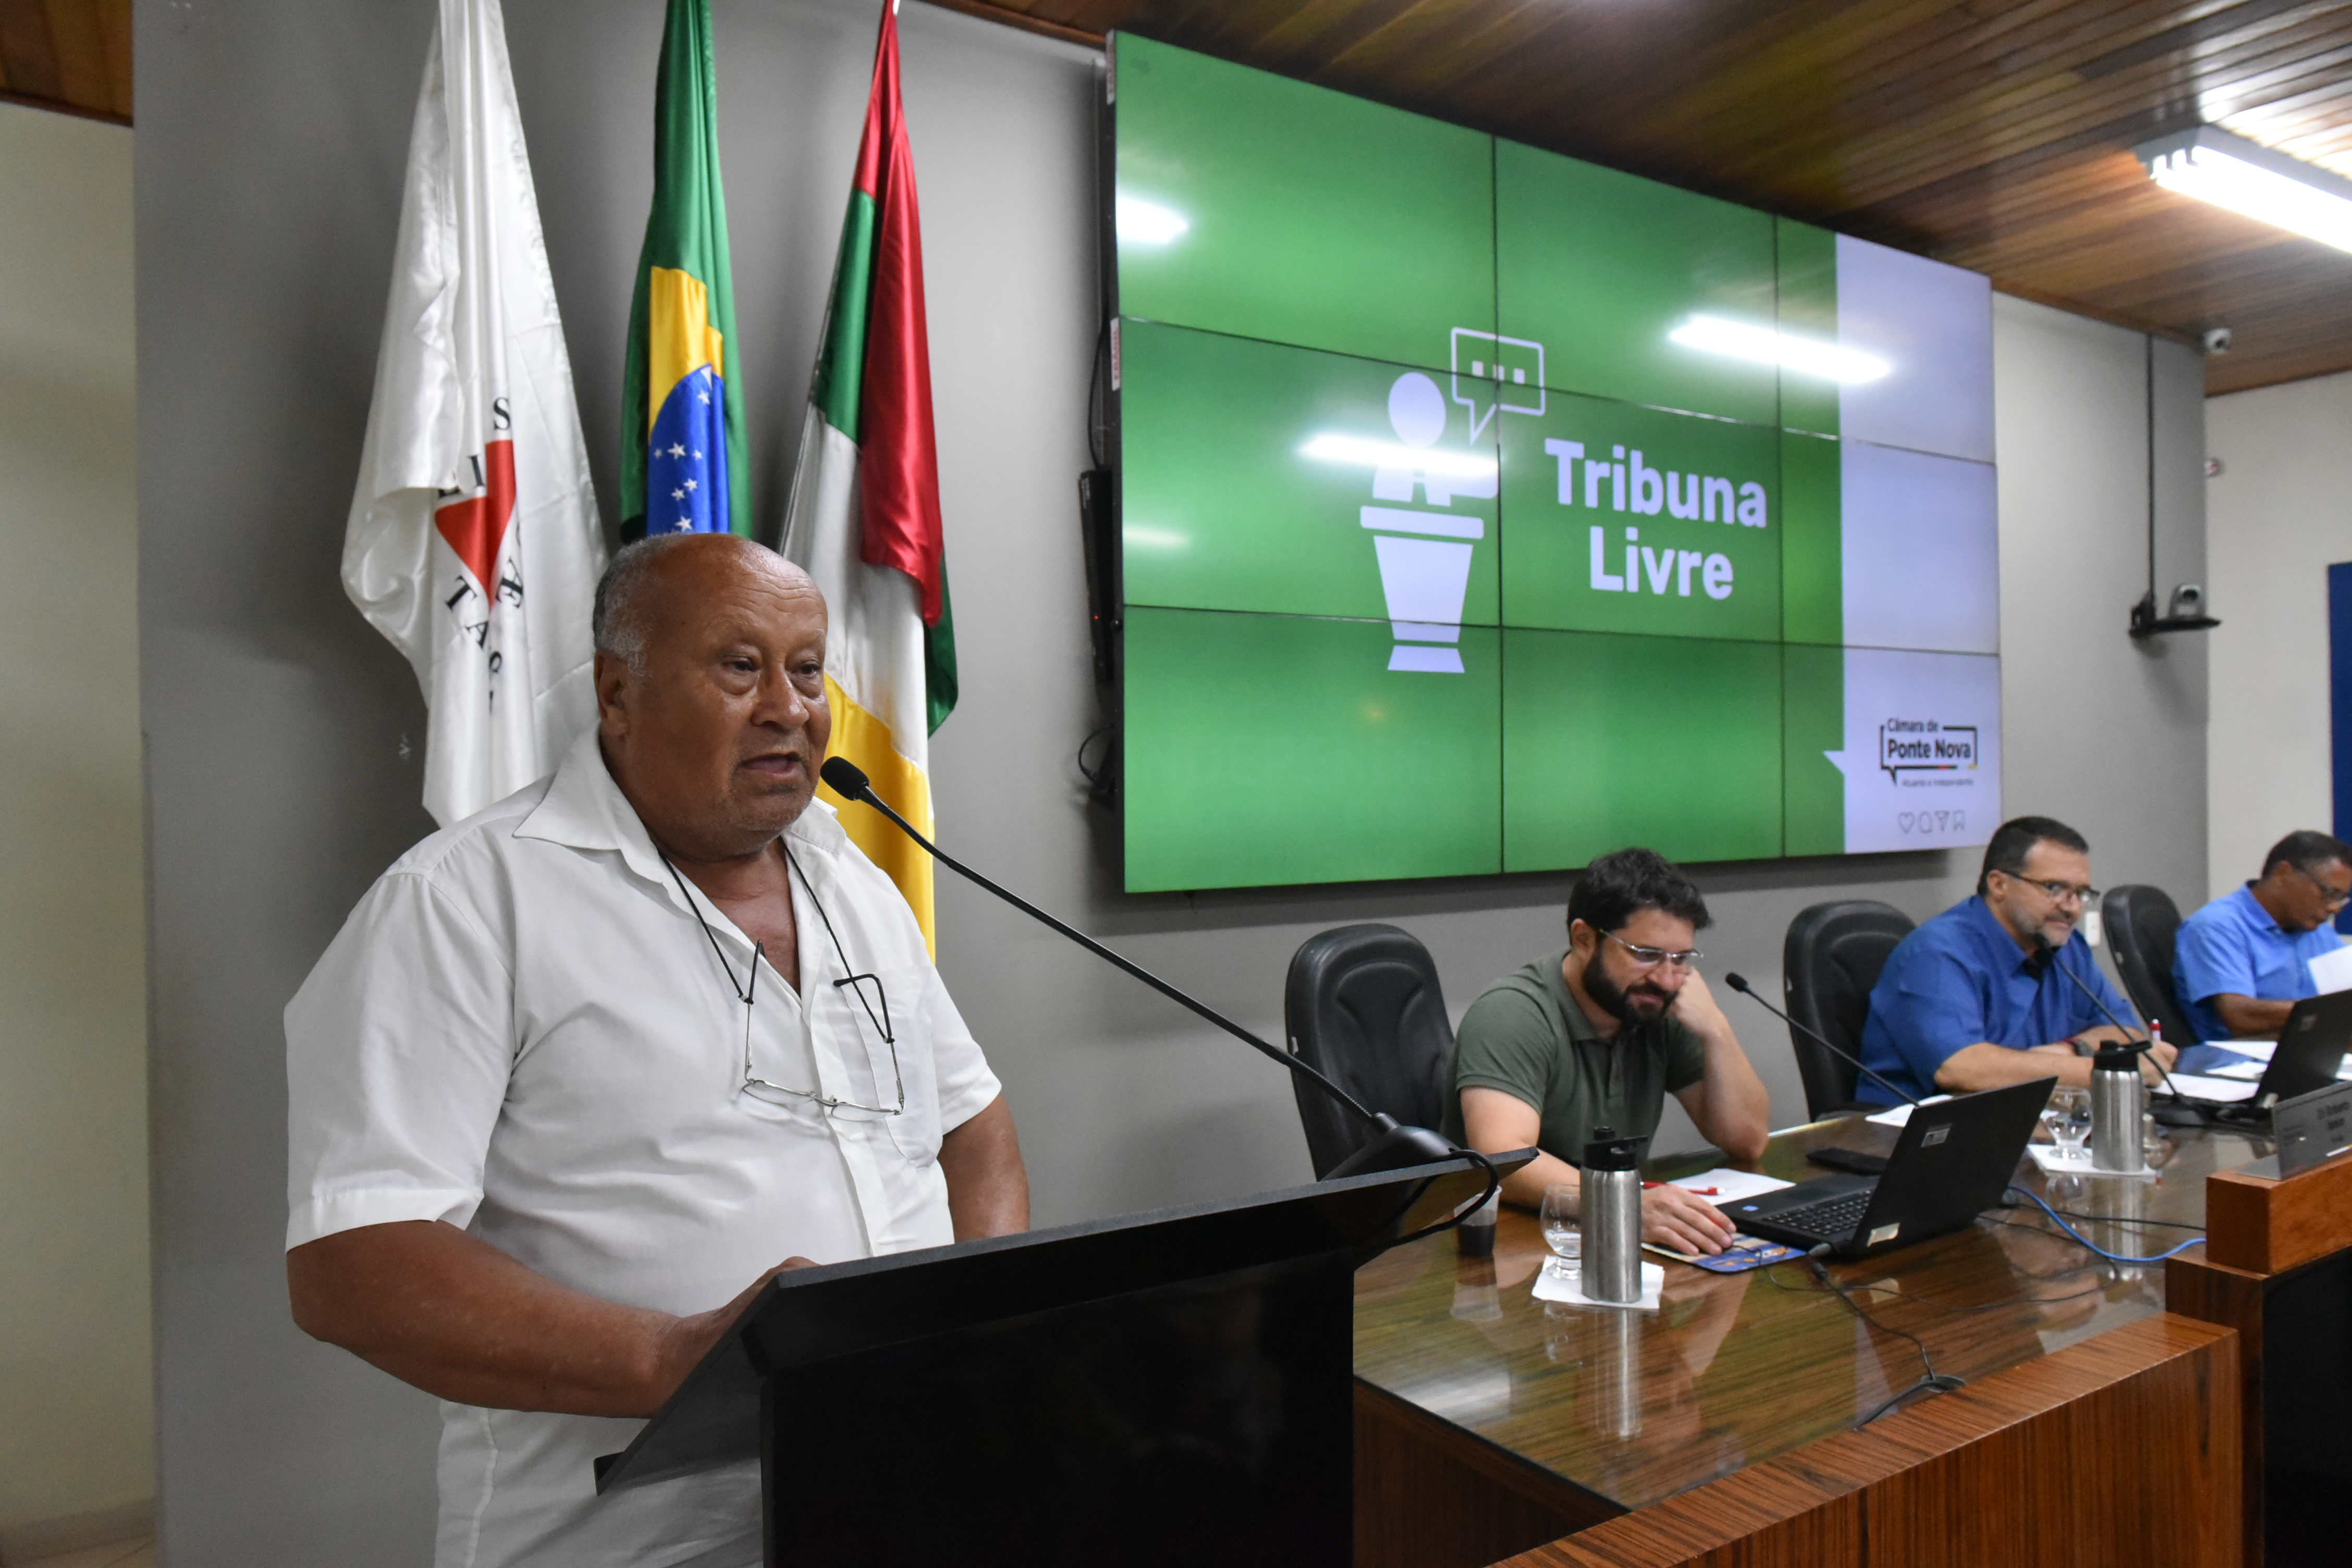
point(876, 1006)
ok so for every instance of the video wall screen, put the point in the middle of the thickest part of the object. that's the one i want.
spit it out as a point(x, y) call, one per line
point(1482, 510)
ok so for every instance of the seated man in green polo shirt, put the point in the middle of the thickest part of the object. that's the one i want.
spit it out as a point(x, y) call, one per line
point(1599, 1035)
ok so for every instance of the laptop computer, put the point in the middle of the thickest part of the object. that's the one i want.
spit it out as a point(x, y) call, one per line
point(2308, 1056)
point(1952, 1163)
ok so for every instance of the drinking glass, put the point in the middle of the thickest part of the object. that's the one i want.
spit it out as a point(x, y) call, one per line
point(2068, 1117)
point(1560, 1232)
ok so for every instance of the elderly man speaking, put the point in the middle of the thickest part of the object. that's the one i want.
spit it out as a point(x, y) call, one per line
point(582, 1071)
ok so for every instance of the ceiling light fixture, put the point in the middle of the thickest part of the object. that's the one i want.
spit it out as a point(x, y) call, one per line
point(1806, 356)
point(2230, 172)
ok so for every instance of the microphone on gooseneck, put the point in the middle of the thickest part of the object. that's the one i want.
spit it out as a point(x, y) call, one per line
point(1740, 984)
point(1390, 1146)
point(2047, 950)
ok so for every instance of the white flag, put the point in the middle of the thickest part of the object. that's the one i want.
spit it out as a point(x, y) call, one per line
point(474, 542)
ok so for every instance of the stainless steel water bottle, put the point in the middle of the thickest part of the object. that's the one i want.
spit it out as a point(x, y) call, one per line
point(2116, 1106)
point(1611, 1217)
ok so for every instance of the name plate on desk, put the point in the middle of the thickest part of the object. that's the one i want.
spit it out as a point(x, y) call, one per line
point(2312, 1127)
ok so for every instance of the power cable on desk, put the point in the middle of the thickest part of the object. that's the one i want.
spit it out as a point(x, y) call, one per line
point(1934, 1382)
point(2126, 1219)
point(1924, 1386)
point(2103, 1252)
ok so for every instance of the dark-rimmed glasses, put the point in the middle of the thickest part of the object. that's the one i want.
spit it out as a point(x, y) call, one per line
point(2059, 892)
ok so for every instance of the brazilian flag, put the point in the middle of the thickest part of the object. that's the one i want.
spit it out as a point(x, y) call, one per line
point(683, 467)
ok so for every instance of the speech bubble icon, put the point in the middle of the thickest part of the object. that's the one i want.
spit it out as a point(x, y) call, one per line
point(1518, 375)
point(1492, 372)
point(1474, 375)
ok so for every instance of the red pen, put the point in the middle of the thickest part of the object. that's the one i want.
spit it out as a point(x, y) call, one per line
point(1702, 1192)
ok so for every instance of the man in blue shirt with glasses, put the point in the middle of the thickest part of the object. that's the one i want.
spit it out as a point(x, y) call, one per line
point(1968, 1001)
point(2244, 960)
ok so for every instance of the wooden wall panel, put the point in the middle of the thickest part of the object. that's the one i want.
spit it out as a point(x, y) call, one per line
point(68, 55)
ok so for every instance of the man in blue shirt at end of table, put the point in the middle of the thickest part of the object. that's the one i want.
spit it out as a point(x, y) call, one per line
point(1968, 1002)
point(2244, 961)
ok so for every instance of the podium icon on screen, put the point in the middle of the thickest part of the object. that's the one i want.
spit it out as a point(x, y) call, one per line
point(1425, 553)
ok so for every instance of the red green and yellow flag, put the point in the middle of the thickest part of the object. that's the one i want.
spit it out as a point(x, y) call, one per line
point(865, 514)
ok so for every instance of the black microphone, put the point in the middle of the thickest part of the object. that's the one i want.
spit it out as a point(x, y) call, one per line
point(2047, 950)
point(1739, 983)
point(1390, 1147)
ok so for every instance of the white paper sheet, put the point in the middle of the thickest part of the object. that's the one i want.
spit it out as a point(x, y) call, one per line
point(1555, 1283)
point(2245, 1072)
point(1729, 1185)
point(1900, 1114)
point(2332, 971)
point(2196, 1086)
point(2046, 1156)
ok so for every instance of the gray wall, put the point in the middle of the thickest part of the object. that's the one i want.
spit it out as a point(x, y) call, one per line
point(2282, 514)
point(2100, 730)
point(270, 151)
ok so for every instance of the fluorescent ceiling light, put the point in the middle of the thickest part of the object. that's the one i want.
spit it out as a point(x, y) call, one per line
point(1806, 356)
point(1389, 454)
point(2232, 171)
point(1149, 223)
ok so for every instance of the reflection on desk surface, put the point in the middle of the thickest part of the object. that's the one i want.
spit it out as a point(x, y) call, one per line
point(1733, 1369)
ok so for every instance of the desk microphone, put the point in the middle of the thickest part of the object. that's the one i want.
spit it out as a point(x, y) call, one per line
point(1739, 983)
point(2047, 950)
point(1390, 1147)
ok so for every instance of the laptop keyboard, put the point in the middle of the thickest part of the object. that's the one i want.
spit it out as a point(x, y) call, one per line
point(1832, 1219)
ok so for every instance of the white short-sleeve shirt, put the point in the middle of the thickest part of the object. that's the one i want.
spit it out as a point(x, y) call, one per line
point(523, 1031)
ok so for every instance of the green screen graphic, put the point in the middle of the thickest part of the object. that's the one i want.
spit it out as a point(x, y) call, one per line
point(1348, 771)
point(1482, 510)
point(1252, 472)
point(1606, 266)
point(1306, 216)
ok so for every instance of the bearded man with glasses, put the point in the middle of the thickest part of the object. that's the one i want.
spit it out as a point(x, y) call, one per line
point(1968, 1002)
point(582, 1069)
point(1598, 1035)
point(2244, 961)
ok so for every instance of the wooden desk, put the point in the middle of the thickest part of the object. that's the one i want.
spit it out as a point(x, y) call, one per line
point(2278, 1271)
point(1489, 1423)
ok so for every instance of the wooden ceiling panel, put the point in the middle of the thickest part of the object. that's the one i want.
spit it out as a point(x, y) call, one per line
point(1994, 135)
point(73, 55)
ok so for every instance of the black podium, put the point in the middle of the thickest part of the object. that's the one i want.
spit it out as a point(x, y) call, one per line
point(1165, 1388)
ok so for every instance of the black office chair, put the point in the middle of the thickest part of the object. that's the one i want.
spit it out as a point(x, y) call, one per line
point(2143, 927)
point(1828, 964)
point(1362, 1007)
